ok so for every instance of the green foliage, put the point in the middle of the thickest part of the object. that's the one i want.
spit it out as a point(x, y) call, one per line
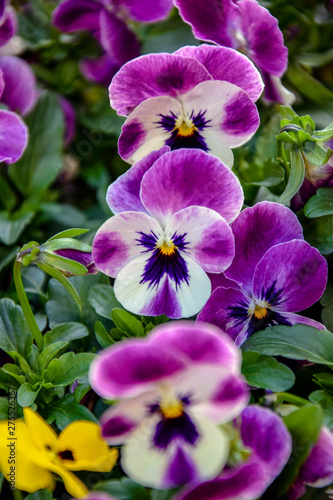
point(15, 336)
point(320, 204)
point(265, 372)
point(125, 489)
point(65, 411)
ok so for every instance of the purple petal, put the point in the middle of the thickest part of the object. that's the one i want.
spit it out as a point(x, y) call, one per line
point(150, 285)
point(117, 241)
point(147, 11)
point(181, 469)
point(265, 433)
point(2, 8)
point(188, 177)
point(275, 91)
point(256, 230)
point(73, 15)
point(20, 84)
point(69, 116)
point(246, 482)
point(8, 26)
point(131, 368)
point(209, 20)
point(317, 470)
point(228, 309)
point(154, 75)
point(295, 271)
point(99, 495)
point(229, 65)
point(84, 258)
point(202, 343)
point(221, 280)
point(13, 136)
point(124, 194)
point(117, 39)
point(210, 239)
point(264, 38)
point(297, 319)
point(99, 70)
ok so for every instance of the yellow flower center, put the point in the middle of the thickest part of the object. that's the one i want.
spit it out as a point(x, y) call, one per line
point(185, 127)
point(171, 408)
point(167, 248)
point(260, 312)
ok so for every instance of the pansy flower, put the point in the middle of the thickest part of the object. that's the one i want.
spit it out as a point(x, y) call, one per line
point(19, 92)
point(160, 254)
point(173, 388)
point(13, 132)
point(317, 470)
point(107, 21)
point(267, 446)
point(247, 26)
point(40, 452)
point(274, 274)
point(199, 97)
point(8, 22)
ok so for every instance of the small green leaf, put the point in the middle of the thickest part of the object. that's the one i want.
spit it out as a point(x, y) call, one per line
point(66, 411)
point(63, 264)
point(102, 336)
point(66, 332)
point(68, 367)
point(125, 489)
point(103, 300)
point(294, 342)
point(4, 408)
point(69, 233)
point(320, 204)
point(296, 178)
point(325, 380)
point(315, 154)
point(15, 372)
point(326, 402)
point(65, 243)
point(127, 323)
point(12, 226)
point(265, 372)
point(26, 395)
point(15, 336)
point(48, 354)
point(40, 495)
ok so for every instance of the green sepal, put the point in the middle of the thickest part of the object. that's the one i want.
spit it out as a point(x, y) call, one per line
point(62, 264)
point(68, 233)
point(296, 177)
point(64, 281)
point(65, 243)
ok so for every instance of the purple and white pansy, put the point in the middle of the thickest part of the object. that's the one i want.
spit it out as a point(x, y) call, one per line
point(247, 26)
point(267, 445)
point(317, 470)
point(178, 230)
point(275, 273)
point(199, 97)
point(174, 388)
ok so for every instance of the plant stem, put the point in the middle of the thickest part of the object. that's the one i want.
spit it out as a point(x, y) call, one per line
point(26, 306)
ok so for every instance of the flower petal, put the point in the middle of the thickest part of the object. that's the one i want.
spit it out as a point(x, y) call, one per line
point(228, 309)
point(41, 433)
point(178, 291)
point(154, 75)
point(124, 194)
point(99, 70)
point(292, 276)
point(71, 15)
point(256, 230)
point(117, 241)
point(90, 452)
point(187, 177)
point(297, 319)
point(275, 91)
point(131, 368)
point(8, 27)
point(147, 11)
point(209, 20)
point(264, 38)
point(221, 280)
point(227, 64)
point(210, 239)
point(13, 136)
point(202, 343)
point(20, 92)
point(117, 39)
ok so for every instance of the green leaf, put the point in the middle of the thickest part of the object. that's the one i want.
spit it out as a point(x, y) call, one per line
point(40, 495)
point(33, 280)
point(65, 243)
point(64, 282)
point(304, 425)
point(327, 302)
point(326, 402)
point(42, 160)
point(318, 232)
point(66, 411)
point(294, 342)
point(82, 388)
point(4, 408)
point(26, 395)
point(12, 226)
point(163, 494)
point(7, 380)
point(15, 336)
point(69, 233)
point(15, 372)
point(66, 332)
point(325, 380)
point(270, 174)
point(296, 178)
point(62, 264)
point(102, 336)
point(48, 354)
point(61, 308)
point(69, 367)
point(265, 372)
point(316, 154)
point(308, 85)
point(125, 489)
point(320, 204)
point(127, 323)
point(103, 300)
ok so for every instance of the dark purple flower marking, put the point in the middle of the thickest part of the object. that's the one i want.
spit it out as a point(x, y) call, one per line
point(184, 136)
point(164, 259)
point(169, 429)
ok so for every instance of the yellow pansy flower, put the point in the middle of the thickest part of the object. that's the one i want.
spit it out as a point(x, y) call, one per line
point(35, 451)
